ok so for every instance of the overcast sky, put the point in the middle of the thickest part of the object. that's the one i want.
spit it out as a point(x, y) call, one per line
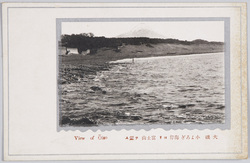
point(207, 30)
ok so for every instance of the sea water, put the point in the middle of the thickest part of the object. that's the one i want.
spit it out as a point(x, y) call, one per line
point(157, 90)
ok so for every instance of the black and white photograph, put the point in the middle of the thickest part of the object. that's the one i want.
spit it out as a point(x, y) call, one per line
point(133, 73)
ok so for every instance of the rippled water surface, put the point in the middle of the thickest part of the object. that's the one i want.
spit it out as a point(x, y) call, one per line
point(158, 90)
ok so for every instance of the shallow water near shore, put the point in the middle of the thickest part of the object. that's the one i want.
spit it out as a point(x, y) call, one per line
point(187, 89)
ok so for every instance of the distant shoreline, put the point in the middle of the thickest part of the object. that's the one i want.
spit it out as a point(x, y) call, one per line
point(169, 56)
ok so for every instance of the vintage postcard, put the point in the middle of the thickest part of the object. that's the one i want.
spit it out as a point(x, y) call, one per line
point(108, 81)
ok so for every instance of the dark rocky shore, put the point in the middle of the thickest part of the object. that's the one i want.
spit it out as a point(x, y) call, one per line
point(72, 74)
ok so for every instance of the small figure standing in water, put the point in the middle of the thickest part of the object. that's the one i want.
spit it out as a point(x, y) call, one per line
point(133, 60)
point(67, 51)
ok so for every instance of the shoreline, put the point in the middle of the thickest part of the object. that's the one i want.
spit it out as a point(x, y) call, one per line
point(78, 67)
point(76, 59)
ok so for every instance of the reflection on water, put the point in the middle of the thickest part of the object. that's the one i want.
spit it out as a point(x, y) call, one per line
point(159, 90)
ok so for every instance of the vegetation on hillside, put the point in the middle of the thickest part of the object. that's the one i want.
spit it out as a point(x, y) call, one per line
point(85, 41)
